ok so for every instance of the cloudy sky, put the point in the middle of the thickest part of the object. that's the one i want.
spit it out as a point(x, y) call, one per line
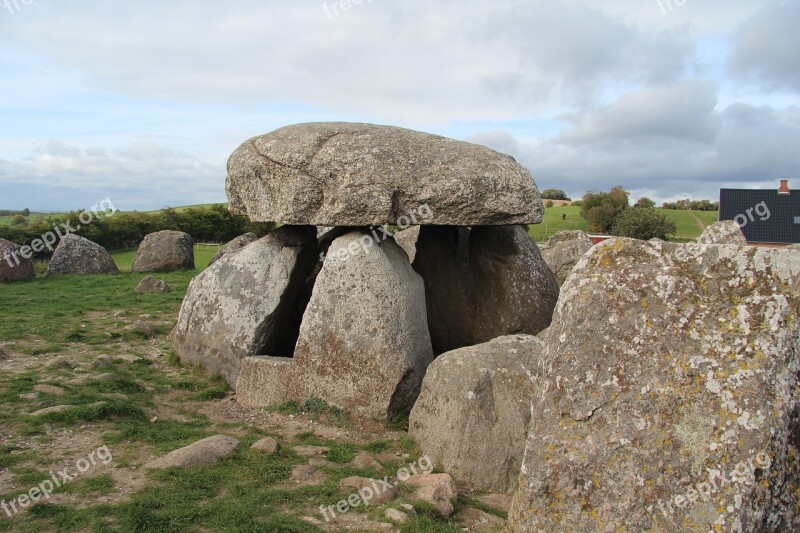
point(144, 101)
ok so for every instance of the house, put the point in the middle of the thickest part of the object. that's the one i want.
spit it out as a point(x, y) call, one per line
point(766, 216)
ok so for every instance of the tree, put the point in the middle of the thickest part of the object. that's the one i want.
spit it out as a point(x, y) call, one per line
point(554, 194)
point(645, 203)
point(549, 203)
point(644, 224)
point(601, 209)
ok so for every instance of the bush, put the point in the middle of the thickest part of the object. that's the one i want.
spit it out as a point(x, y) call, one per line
point(549, 203)
point(644, 224)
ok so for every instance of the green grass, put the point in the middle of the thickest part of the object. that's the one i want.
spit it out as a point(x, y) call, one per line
point(124, 258)
point(554, 221)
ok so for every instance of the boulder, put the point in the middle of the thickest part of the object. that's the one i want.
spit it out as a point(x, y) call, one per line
point(794, 247)
point(149, 284)
point(562, 251)
point(76, 255)
point(364, 343)
point(437, 490)
point(247, 303)
point(723, 232)
point(473, 412)
point(482, 284)
point(204, 452)
point(669, 400)
point(165, 251)
point(373, 491)
point(13, 266)
point(347, 174)
point(234, 246)
point(267, 444)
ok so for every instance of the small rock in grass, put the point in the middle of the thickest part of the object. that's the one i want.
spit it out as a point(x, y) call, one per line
point(474, 520)
point(436, 489)
point(31, 396)
point(375, 491)
point(364, 461)
point(50, 410)
point(108, 377)
point(310, 451)
point(59, 362)
point(149, 284)
point(303, 473)
point(398, 517)
point(129, 358)
point(49, 389)
point(408, 508)
point(202, 453)
point(145, 328)
point(320, 463)
point(104, 361)
point(267, 444)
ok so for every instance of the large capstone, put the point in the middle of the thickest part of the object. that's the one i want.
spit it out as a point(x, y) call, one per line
point(348, 174)
point(247, 303)
point(165, 251)
point(13, 265)
point(364, 343)
point(473, 412)
point(668, 399)
point(483, 283)
point(77, 255)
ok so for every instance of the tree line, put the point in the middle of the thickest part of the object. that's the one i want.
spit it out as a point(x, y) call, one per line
point(124, 230)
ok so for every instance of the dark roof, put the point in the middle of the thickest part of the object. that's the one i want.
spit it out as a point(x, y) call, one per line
point(747, 207)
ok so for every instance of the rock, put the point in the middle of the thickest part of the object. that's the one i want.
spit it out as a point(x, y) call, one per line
point(321, 463)
point(51, 410)
point(364, 343)
point(407, 239)
point(437, 490)
point(473, 520)
point(149, 284)
point(165, 251)
point(202, 453)
point(307, 475)
point(794, 247)
point(59, 362)
point(372, 491)
point(103, 362)
point(108, 377)
point(473, 412)
point(31, 396)
point(13, 266)
point(248, 303)
point(234, 246)
point(396, 516)
point(76, 255)
point(267, 444)
point(128, 358)
point(483, 284)
point(364, 461)
point(669, 400)
point(562, 251)
point(498, 501)
point(148, 329)
point(723, 232)
point(345, 174)
point(49, 389)
point(310, 451)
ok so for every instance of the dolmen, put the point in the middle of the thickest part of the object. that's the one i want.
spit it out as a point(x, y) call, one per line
point(346, 317)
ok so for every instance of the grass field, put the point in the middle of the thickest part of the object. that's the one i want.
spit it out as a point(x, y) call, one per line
point(124, 258)
point(554, 221)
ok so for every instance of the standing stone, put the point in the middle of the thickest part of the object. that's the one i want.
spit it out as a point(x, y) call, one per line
point(364, 343)
point(347, 174)
point(473, 412)
point(14, 267)
point(77, 255)
point(670, 398)
point(247, 303)
point(234, 246)
point(165, 251)
point(482, 284)
point(562, 251)
point(723, 232)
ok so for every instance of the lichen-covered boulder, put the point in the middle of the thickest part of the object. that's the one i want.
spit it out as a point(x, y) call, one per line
point(483, 283)
point(13, 265)
point(77, 255)
point(473, 412)
point(668, 398)
point(364, 343)
point(247, 303)
point(165, 251)
point(562, 251)
point(348, 174)
point(723, 232)
point(234, 246)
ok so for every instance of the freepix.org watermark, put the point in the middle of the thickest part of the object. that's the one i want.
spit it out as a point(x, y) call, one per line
point(332, 9)
point(376, 235)
point(15, 6)
point(60, 230)
point(366, 494)
point(56, 480)
point(743, 473)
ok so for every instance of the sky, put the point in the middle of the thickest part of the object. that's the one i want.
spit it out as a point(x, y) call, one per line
point(142, 102)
